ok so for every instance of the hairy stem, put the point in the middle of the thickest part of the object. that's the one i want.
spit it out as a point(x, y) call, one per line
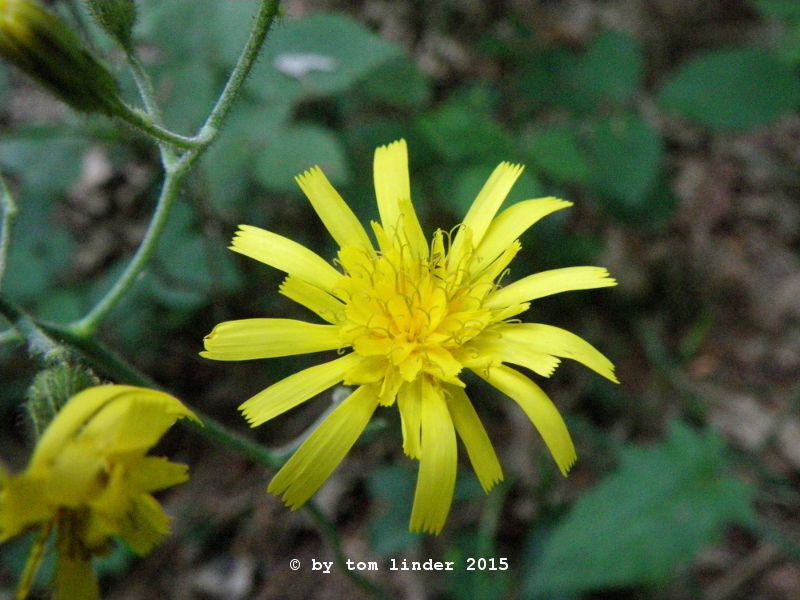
point(9, 212)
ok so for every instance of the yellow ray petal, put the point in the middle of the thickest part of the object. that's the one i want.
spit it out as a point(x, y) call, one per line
point(314, 299)
point(286, 255)
point(154, 473)
point(132, 423)
point(492, 349)
point(540, 410)
point(145, 525)
point(513, 222)
point(248, 339)
point(392, 183)
point(479, 447)
point(322, 452)
point(409, 403)
point(412, 228)
point(558, 342)
point(548, 283)
point(24, 503)
point(437, 464)
point(296, 389)
point(337, 217)
point(485, 206)
point(87, 404)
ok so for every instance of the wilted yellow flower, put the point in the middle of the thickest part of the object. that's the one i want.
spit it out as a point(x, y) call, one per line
point(89, 479)
point(415, 315)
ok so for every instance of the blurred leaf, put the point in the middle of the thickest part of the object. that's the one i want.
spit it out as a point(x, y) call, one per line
point(465, 128)
point(733, 89)
point(476, 584)
point(556, 152)
point(228, 163)
point(392, 487)
point(232, 24)
point(187, 91)
point(788, 12)
point(180, 29)
point(655, 513)
point(779, 9)
point(398, 83)
point(322, 54)
point(47, 166)
point(184, 254)
point(293, 150)
point(541, 77)
point(610, 70)
point(626, 157)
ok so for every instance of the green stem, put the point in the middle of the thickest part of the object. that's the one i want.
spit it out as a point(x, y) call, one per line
point(144, 122)
point(169, 193)
point(176, 170)
point(145, 86)
point(34, 560)
point(9, 212)
point(39, 343)
point(266, 15)
point(116, 367)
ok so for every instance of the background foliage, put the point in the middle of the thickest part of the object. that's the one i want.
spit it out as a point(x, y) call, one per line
point(673, 129)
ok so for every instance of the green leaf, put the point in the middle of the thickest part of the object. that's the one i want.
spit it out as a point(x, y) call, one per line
point(779, 9)
point(392, 487)
point(664, 504)
point(398, 83)
point(626, 157)
point(465, 128)
point(188, 91)
point(180, 29)
point(787, 12)
point(610, 70)
point(320, 55)
point(184, 272)
point(734, 89)
point(555, 151)
point(295, 149)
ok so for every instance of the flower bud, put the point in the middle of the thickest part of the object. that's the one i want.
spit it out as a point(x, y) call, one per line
point(116, 17)
point(38, 43)
point(50, 390)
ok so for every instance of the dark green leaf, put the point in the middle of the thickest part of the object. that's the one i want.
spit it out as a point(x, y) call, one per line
point(609, 70)
point(626, 156)
point(323, 54)
point(733, 89)
point(398, 83)
point(392, 487)
point(465, 128)
point(655, 513)
point(293, 150)
point(556, 152)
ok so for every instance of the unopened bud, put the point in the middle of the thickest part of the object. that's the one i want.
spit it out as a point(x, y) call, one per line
point(116, 17)
point(38, 43)
point(50, 390)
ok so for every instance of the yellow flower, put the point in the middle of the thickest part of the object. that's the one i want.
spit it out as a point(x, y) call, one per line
point(415, 317)
point(90, 480)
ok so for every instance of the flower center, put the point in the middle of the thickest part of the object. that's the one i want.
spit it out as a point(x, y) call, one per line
point(410, 310)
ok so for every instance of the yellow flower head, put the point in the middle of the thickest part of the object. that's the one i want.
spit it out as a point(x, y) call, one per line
point(415, 316)
point(89, 479)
